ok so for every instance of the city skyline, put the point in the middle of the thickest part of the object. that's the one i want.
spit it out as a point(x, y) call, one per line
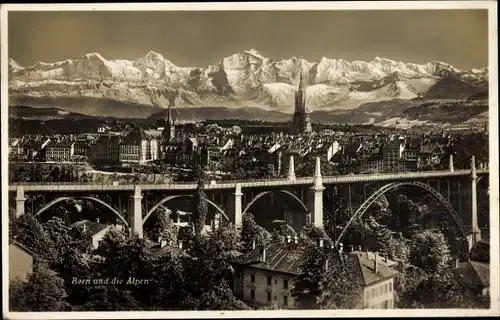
point(414, 36)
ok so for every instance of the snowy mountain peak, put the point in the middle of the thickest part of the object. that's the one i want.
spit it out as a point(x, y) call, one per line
point(93, 55)
point(14, 65)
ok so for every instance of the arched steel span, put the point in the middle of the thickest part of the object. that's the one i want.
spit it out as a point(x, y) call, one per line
point(53, 202)
point(391, 186)
point(260, 195)
point(166, 199)
point(479, 179)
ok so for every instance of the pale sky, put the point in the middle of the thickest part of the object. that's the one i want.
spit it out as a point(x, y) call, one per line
point(200, 38)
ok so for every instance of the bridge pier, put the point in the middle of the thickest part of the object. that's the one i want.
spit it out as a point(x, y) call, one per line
point(316, 197)
point(475, 231)
point(238, 214)
point(291, 169)
point(20, 201)
point(135, 212)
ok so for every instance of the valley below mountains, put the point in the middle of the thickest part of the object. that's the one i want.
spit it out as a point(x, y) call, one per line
point(249, 86)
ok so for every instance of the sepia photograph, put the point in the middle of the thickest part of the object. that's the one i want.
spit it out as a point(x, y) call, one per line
point(249, 159)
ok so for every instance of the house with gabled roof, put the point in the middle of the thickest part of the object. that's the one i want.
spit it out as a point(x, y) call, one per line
point(266, 275)
point(473, 275)
point(21, 260)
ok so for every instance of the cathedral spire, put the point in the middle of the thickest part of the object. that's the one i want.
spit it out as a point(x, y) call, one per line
point(169, 119)
point(169, 131)
point(301, 119)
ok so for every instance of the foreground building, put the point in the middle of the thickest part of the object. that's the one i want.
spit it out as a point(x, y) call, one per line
point(266, 276)
point(473, 275)
point(21, 261)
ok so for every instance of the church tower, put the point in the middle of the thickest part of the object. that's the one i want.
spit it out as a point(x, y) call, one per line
point(301, 119)
point(169, 130)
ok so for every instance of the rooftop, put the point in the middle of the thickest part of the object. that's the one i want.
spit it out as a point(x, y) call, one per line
point(473, 273)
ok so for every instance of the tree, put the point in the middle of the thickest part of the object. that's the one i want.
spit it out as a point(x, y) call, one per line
point(308, 285)
point(250, 232)
point(340, 289)
point(405, 216)
point(430, 251)
point(43, 291)
point(228, 239)
point(199, 203)
point(109, 298)
point(313, 234)
point(405, 284)
point(382, 236)
point(74, 265)
point(441, 290)
point(59, 234)
point(480, 252)
point(164, 227)
point(29, 231)
point(207, 274)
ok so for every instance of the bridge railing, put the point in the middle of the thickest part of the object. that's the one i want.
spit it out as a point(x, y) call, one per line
point(269, 181)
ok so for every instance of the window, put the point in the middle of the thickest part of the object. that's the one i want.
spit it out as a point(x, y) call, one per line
point(252, 294)
point(390, 286)
point(269, 280)
point(367, 295)
point(385, 288)
point(373, 293)
point(269, 297)
point(385, 304)
point(285, 301)
point(285, 284)
point(252, 278)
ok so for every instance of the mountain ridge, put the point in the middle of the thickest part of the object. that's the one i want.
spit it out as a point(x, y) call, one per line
point(241, 80)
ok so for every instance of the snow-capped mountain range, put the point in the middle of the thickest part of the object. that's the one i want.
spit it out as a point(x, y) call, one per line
point(245, 79)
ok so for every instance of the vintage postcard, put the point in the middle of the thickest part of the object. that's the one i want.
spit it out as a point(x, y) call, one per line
point(249, 160)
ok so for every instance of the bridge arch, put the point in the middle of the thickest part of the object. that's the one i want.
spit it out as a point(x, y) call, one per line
point(61, 199)
point(391, 186)
point(260, 195)
point(166, 199)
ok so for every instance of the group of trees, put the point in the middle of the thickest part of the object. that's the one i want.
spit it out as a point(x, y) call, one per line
point(424, 256)
point(41, 172)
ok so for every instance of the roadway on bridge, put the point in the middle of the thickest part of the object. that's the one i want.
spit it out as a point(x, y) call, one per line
point(221, 185)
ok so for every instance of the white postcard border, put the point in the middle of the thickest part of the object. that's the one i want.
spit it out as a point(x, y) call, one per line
point(491, 6)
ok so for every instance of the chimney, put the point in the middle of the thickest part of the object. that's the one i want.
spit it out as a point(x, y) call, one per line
point(296, 239)
point(253, 244)
point(84, 227)
point(359, 248)
point(375, 262)
point(180, 244)
point(321, 243)
point(386, 260)
point(263, 254)
point(163, 243)
point(352, 248)
point(97, 220)
point(456, 263)
point(288, 238)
